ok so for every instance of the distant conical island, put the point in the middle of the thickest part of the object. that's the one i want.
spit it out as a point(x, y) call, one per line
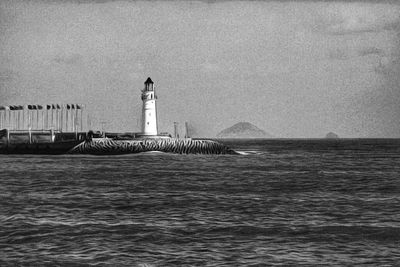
point(331, 135)
point(243, 130)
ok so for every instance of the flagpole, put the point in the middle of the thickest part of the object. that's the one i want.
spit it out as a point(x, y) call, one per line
point(16, 118)
point(19, 118)
point(32, 117)
point(76, 118)
point(37, 117)
point(9, 118)
point(23, 117)
point(42, 115)
point(57, 118)
point(52, 110)
point(13, 118)
point(73, 117)
point(81, 118)
point(15, 113)
point(29, 116)
point(1, 118)
point(66, 117)
point(62, 117)
point(42, 110)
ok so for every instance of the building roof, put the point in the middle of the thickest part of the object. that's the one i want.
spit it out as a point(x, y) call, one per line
point(148, 81)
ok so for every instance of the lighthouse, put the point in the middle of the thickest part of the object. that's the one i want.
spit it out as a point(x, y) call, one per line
point(149, 112)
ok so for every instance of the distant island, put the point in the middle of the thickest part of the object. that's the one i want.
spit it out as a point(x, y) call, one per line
point(243, 130)
point(331, 135)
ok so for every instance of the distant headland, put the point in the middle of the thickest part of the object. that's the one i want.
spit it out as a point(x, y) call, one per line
point(331, 135)
point(243, 130)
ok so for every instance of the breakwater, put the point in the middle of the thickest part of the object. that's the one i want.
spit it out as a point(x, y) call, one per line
point(105, 146)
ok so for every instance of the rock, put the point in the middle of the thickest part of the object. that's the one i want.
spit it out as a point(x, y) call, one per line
point(243, 130)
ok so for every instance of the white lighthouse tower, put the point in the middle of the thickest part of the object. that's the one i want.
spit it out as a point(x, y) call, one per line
point(149, 112)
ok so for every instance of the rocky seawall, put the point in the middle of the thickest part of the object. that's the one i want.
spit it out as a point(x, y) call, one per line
point(105, 146)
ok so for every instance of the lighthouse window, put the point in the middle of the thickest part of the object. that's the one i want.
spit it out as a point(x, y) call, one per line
point(149, 114)
point(148, 123)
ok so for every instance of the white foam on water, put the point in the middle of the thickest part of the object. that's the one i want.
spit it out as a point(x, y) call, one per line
point(249, 152)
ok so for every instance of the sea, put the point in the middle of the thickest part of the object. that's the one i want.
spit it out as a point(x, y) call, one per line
point(281, 202)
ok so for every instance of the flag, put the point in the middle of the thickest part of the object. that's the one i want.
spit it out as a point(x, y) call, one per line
point(78, 107)
point(21, 107)
point(58, 106)
point(29, 106)
point(68, 107)
point(34, 107)
point(39, 107)
point(48, 107)
point(2, 108)
point(12, 108)
point(72, 106)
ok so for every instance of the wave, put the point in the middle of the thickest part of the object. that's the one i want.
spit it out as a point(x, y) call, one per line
point(250, 152)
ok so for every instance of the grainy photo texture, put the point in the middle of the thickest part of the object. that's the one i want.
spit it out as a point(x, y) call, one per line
point(199, 133)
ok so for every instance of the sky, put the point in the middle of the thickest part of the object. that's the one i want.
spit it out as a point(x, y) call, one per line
point(296, 69)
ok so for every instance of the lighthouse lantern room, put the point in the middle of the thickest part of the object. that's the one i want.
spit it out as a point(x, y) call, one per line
point(149, 112)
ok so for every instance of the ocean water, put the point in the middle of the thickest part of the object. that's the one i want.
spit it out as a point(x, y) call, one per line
point(282, 202)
